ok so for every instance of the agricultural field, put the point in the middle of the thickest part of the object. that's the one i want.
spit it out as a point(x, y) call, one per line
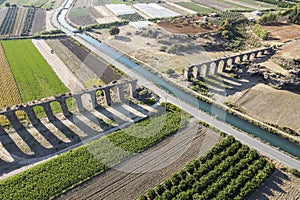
point(229, 171)
point(17, 21)
point(6, 28)
point(3, 12)
point(132, 17)
point(259, 100)
point(222, 5)
point(45, 4)
point(80, 164)
point(186, 25)
point(196, 7)
point(102, 70)
point(9, 93)
point(39, 21)
point(282, 32)
point(34, 77)
point(83, 16)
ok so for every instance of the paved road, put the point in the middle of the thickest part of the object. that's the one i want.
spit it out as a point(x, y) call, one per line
point(267, 150)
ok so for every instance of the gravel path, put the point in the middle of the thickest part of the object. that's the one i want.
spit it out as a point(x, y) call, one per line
point(61, 70)
point(143, 171)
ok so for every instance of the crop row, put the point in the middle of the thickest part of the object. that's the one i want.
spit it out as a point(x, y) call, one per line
point(279, 3)
point(28, 21)
point(229, 171)
point(132, 17)
point(34, 77)
point(52, 177)
point(7, 25)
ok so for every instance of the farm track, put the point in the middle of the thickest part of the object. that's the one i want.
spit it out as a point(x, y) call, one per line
point(141, 172)
point(102, 70)
point(9, 93)
point(39, 21)
point(19, 23)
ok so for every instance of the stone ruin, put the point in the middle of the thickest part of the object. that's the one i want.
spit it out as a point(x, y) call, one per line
point(28, 108)
point(194, 72)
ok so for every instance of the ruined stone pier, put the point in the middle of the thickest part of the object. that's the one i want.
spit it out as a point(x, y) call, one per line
point(212, 67)
point(45, 104)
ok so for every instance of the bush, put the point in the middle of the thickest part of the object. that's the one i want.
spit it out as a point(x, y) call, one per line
point(143, 197)
point(151, 194)
point(168, 184)
point(160, 189)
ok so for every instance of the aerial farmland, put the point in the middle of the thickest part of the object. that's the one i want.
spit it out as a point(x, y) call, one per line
point(135, 99)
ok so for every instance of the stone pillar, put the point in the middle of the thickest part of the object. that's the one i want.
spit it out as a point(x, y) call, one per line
point(64, 107)
point(225, 64)
point(13, 119)
point(255, 54)
point(233, 58)
point(207, 69)
point(31, 114)
point(133, 88)
point(79, 102)
point(216, 63)
point(107, 96)
point(93, 98)
point(48, 111)
point(248, 56)
point(195, 73)
point(120, 88)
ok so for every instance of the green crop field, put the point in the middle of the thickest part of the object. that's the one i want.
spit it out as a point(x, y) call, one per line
point(260, 4)
point(34, 77)
point(51, 178)
point(229, 171)
point(196, 7)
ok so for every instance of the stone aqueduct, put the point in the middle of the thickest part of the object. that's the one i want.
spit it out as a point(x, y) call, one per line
point(10, 113)
point(212, 66)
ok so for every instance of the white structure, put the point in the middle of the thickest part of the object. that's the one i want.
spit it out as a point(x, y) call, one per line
point(154, 10)
point(141, 24)
point(120, 9)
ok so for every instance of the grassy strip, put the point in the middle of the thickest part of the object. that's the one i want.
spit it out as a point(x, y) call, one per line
point(52, 177)
point(229, 171)
point(35, 78)
point(260, 4)
point(196, 7)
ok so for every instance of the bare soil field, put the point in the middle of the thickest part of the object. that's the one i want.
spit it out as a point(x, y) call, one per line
point(147, 49)
point(83, 3)
point(39, 21)
point(279, 185)
point(290, 50)
point(267, 104)
point(143, 171)
point(107, 16)
point(177, 8)
point(87, 77)
point(283, 32)
point(82, 20)
point(102, 70)
point(186, 25)
point(3, 12)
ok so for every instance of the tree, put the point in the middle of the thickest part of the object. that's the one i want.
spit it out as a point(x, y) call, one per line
point(7, 4)
point(114, 30)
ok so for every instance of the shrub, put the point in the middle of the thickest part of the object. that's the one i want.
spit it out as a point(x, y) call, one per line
point(160, 189)
point(151, 194)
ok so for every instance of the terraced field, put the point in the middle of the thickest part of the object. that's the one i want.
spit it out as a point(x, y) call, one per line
point(34, 77)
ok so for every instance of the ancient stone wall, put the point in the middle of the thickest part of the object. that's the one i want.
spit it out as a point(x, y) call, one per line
point(213, 66)
point(28, 108)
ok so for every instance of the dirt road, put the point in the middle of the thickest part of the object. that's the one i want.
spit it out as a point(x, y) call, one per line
point(61, 70)
point(143, 171)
